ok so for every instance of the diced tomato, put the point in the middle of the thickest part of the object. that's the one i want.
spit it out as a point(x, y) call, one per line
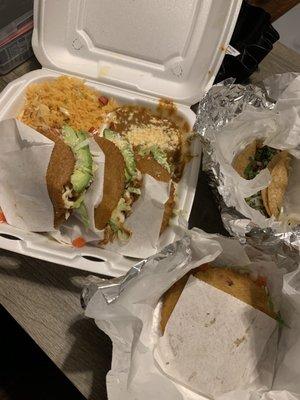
point(2, 217)
point(103, 100)
point(261, 281)
point(79, 242)
point(93, 130)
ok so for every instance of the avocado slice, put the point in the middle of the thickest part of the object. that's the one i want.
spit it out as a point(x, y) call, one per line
point(83, 173)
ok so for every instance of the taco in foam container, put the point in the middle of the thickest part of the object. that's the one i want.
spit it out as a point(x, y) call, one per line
point(44, 177)
point(129, 206)
point(206, 327)
point(145, 155)
point(71, 184)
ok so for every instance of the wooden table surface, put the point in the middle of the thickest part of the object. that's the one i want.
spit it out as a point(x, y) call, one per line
point(44, 298)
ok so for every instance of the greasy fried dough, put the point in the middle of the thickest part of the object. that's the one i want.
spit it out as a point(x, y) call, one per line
point(60, 169)
point(114, 181)
point(264, 196)
point(241, 161)
point(169, 207)
point(281, 156)
point(147, 165)
point(276, 189)
point(228, 280)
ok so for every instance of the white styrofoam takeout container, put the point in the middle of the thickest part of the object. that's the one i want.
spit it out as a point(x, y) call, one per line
point(136, 52)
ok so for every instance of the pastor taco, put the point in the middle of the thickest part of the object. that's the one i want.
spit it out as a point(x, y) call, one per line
point(254, 158)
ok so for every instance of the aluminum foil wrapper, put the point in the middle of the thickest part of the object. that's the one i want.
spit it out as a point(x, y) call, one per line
point(176, 254)
point(221, 105)
point(225, 101)
point(128, 310)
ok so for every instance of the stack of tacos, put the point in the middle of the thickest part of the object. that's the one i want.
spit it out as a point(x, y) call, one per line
point(249, 162)
point(71, 173)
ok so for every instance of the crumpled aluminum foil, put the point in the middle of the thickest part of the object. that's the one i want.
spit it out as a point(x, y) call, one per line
point(176, 254)
point(225, 101)
point(222, 103)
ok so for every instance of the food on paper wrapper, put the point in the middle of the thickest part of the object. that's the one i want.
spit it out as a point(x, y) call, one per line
point(254, 158)
point(228, 300)
point(237, 284)
point(64, 101)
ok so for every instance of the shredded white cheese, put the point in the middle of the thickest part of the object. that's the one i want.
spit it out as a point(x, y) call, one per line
point(165, 137)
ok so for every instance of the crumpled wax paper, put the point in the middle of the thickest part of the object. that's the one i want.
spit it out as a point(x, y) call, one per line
point(232, 116)
point(128, 310)
point(24, 159)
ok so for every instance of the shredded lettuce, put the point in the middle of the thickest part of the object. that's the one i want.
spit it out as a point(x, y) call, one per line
point(260, 161)
point(255, 201)
point(117, 219)
point(82, 211)
point(134, 190)
point(127, 152)
point(82, 175)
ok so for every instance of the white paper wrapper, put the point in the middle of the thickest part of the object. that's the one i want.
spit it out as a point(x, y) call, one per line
point(224, 343)
point(94, 194)
point(24, 159)
point(128, 310)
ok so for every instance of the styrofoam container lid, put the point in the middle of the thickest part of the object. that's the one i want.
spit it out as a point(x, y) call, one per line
point(162, 48)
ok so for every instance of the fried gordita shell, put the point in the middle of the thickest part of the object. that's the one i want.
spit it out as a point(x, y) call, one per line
point(60, 169)
point(114, 181)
